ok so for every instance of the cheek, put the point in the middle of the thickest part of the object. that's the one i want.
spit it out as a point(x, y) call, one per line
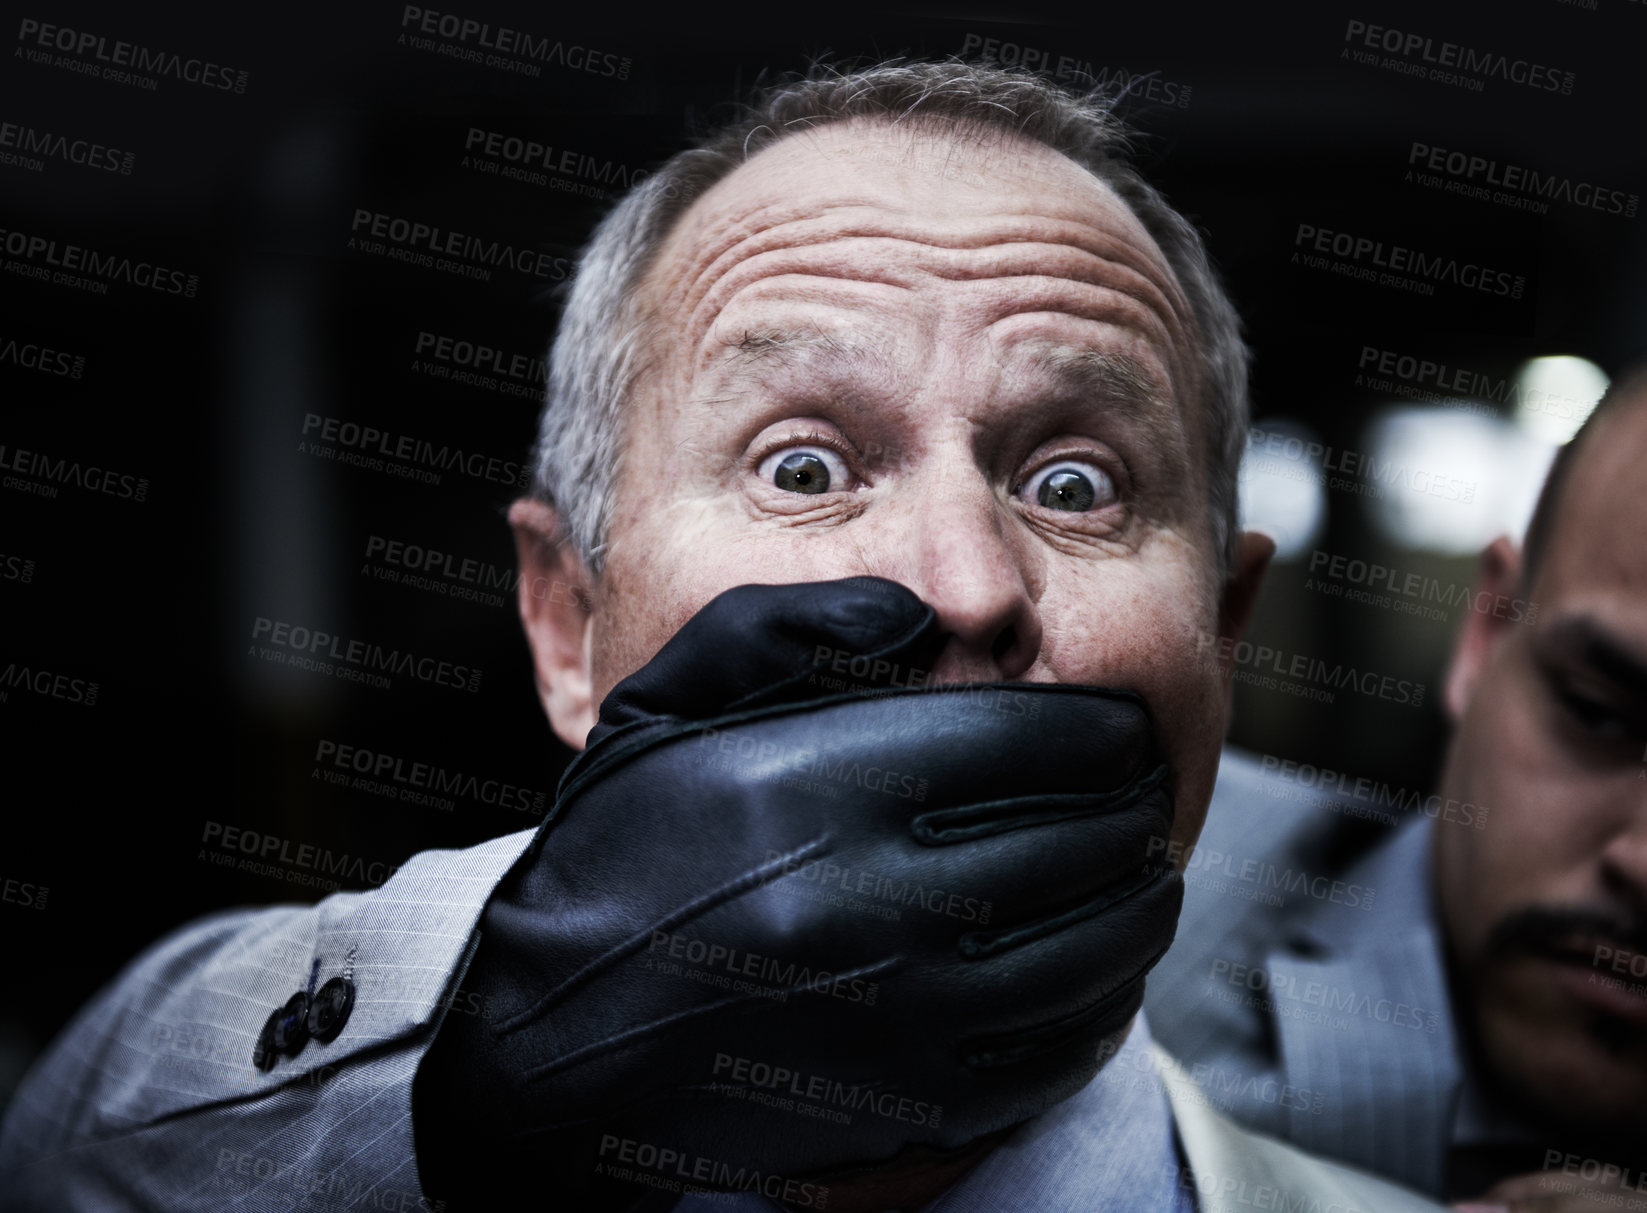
point(1150, 631)
point(644, 595)
point(1479, 876)
point(666, 564)
point(1535, 847)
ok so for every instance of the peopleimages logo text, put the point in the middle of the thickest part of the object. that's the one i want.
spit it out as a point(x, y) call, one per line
point(1420, 49)
point(370, 441)
point(1152, 86)
point(1217, 650)
point(118, 54)
point(269, 849)
point(105, 267)
point(1473, 174)
point(92, 478)
point(382, 767)
point(1398, 258)
point(28, 142)
point(423, 242)
point(506, 41)
point(313, 643)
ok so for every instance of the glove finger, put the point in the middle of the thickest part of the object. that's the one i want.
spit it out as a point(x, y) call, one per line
point(843, 792)
point(947, 1088)
point(1056, 980)
point(760, 644)
point(972, 745)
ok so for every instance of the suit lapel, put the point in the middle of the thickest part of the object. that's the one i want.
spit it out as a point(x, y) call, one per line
point(1230, 1166)
point(1358, 1000)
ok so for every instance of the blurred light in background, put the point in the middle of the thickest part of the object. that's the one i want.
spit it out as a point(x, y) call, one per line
point(1449, 481)
point(1554, 395)
point(1282, 491)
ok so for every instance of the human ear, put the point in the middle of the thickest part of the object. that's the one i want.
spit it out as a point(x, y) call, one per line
point(555, 611)
point(1497, 577)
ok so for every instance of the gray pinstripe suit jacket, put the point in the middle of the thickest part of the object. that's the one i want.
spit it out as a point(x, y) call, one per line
point(149, 1099)
point(1325, 1019)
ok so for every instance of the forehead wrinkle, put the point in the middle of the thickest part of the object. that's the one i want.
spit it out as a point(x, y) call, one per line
point(1074, 283)
point(709, 249)
point(1168, 375)
point(1036, 253)
point(972, 249)
point(714, 239)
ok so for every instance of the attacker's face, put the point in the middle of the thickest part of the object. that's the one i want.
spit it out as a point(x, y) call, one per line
point(1545, 907)
point(967, 369)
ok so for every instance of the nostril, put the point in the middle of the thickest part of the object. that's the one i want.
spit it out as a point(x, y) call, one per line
point(1004, 643)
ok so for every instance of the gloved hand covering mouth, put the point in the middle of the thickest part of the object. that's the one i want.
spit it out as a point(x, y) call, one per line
point(773, 930)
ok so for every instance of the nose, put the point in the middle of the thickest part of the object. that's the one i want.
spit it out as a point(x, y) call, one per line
point(957, 546)
point(1624, 859)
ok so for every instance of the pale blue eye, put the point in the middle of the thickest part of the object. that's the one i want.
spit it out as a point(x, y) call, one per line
point(1072, 486)
point(802, 472)
point(1066, 490)
point(808, 469)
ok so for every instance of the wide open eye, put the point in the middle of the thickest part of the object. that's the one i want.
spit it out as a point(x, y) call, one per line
point(1072, 485)
point(805, 469)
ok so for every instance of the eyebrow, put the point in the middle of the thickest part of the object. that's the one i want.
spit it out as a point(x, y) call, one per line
point(1123, 386)
point(760, 349)
point(1104, 373)
point(1586, 639)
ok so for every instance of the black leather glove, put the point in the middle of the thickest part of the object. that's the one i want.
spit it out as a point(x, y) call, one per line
point(793, 912)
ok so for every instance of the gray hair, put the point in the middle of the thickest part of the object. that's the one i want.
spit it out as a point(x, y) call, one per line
point(605, 334)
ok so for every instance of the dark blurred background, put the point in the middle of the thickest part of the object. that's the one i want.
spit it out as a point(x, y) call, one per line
point(1253, 122)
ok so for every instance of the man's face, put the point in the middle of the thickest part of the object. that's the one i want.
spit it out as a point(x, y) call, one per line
point(966, 369)
point(1552, 722)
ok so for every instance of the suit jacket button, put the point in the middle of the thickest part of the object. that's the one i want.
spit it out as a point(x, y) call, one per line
point(291, 1031)
point(264, 1053)
point(330, 1009)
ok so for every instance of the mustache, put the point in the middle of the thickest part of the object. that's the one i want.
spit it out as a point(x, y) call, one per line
point(1555, 930)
